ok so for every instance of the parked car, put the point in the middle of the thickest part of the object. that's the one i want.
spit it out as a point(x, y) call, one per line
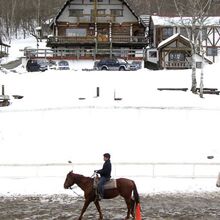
point(34, 65)
point(136, 65)
point(52, 65)
point(63, 65)
point(112, 64)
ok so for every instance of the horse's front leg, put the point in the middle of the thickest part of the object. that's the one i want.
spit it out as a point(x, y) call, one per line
point(85, 206)
point(99, 209)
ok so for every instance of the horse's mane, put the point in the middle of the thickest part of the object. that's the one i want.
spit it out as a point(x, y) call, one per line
point(79, 176)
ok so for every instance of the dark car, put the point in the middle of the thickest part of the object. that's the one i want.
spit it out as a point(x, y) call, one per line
point(35, 65)
point(63, 65)
point(112, 64)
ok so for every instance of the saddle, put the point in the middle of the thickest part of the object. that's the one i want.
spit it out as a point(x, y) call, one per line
point(110, 184)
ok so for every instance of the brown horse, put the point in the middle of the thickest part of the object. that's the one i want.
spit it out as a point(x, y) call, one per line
point(125, 187)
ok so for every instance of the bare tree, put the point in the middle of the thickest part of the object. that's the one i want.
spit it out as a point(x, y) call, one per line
point(25, 15)
point(197, 11)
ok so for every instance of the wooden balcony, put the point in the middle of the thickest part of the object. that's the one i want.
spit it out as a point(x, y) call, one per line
point(178, 65)
point(76, 54)
point(70, 40)
point(89, 40)
point(3, 50)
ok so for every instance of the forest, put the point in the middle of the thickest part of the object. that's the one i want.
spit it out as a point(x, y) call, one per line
point(21, 17)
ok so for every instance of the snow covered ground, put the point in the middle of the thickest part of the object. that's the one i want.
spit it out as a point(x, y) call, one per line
point(61, 119)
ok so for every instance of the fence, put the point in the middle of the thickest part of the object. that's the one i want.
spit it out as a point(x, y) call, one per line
point(150, 170)
point(83, 53)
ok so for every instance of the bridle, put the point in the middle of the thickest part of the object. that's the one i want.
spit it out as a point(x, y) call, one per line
point(72, 187)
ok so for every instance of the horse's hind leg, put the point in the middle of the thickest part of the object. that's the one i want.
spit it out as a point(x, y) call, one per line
point(132, 207)
point(99, 209)
point(128, 202)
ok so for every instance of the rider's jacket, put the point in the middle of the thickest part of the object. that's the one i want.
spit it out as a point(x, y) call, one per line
point(106, 169)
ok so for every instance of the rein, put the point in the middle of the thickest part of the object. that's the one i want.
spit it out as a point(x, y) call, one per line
point(72, 188)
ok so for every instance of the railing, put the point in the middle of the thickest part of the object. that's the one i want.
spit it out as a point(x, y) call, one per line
point(100, 38)
point(89, 18)
point(82, 53)
point(146, 170)
point(127, 39)
point(178, 64)
point(68, 40)
point(3, 54)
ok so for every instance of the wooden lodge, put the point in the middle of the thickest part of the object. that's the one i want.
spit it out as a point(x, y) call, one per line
point(103, 27)
point(170, 48)
point(3, 49)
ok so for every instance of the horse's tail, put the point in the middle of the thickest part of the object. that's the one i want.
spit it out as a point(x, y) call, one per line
point(135, 194)
point(137, 203)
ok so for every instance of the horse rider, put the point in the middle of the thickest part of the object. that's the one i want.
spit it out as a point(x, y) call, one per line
point(105, 174)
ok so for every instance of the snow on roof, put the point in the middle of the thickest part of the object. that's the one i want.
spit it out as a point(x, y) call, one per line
point(164, 42)
point(38, 28)
point(174, 21)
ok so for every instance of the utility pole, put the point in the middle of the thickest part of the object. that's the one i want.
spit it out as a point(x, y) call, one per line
point(96, 31)
point(38, 13)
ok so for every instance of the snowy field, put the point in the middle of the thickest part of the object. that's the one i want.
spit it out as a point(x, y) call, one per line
point(61, 119)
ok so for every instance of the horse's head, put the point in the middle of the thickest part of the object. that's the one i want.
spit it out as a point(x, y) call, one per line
point(69, 180)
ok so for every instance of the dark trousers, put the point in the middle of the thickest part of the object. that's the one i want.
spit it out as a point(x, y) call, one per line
point(101, 183)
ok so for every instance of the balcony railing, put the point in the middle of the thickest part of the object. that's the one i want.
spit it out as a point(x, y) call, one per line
point(178, 64)
point(69, 40)
point(3, 54)
point(100, 38)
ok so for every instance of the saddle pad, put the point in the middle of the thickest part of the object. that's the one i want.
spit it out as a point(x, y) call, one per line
point(111, 184)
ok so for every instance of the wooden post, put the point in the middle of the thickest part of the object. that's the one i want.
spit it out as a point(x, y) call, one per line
point(97, 91)
point(116, 98)
point(3, 90)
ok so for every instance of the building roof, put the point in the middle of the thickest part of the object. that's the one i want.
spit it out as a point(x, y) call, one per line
point(5, 45)
point(176, 21)
point(170, 39)
point(123, 1)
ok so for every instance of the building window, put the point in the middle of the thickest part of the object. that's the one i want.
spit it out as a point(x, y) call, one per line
point(176, 56)
point(75, 12)
point(117, 12)
point(212, 51)
point(99, 12)
point(76, 32)
point(153, 54)
point(183, 32)
point(167, 32)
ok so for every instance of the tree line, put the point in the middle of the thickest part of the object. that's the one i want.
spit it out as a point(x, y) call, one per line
point(23, 16)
